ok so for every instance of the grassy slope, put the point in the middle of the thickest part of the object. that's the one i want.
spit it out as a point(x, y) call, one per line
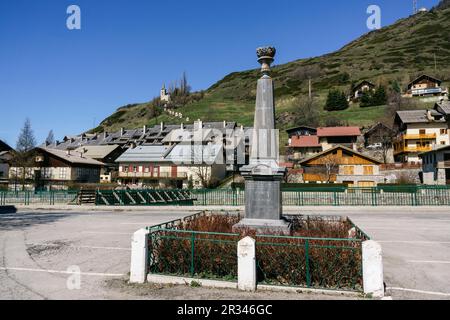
point(398, 52)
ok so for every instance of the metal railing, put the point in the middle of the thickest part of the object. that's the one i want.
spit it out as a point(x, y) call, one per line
point(40, 197)
point(325, 263)
point(337, 196)
point(306, 196)
point(195, 254)
point(322, 263)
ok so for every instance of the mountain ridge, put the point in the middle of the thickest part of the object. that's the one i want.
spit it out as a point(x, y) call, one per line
point(396, 53)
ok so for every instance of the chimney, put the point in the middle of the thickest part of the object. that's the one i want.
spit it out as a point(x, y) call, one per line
point(105, 135)
point(429, 116)
point(121, 131)
point(224, 124)
point(144, 130)
point(162, 126)
point(182, 126)
point(68, 152)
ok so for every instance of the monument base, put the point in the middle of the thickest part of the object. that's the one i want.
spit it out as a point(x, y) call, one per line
point(264, 226)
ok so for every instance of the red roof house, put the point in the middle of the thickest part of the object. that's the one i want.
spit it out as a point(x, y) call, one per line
point(305, 142)
point(338, 132)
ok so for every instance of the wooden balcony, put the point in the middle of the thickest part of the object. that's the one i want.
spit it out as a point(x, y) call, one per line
point(425, 136)
point(413, 149)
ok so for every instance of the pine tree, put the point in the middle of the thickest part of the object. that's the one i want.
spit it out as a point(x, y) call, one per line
point(336, 100)
point(26, 140)
point(50, 138)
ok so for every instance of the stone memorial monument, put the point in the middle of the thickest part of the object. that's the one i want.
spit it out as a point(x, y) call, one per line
point(263, 175)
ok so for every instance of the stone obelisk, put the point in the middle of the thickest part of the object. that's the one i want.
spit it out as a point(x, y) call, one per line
point(263, 175)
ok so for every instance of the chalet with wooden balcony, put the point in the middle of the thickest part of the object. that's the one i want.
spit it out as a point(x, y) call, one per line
point(342, 165)
point(425, 86)
point(419, 131)
point(436, 166)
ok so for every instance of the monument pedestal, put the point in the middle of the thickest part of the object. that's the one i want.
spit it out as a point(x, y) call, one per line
point(263, 199)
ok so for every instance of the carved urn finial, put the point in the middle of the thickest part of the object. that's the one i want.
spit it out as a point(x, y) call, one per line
point(265, 58)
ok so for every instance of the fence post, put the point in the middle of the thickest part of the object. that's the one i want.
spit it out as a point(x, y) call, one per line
point(192, 254)
point(308, 271)
point(372, 265)
point(246, 252)
point(139, 256)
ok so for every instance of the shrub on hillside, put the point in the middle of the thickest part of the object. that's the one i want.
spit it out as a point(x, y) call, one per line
point(336, 100)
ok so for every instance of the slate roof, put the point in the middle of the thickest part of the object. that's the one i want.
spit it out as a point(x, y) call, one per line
point(97, 152)
point(73, 157)
point(418, 116)
point(144, 154)
point(152, 136)
point(444, 106)
point(4, 146)
point(196, 154)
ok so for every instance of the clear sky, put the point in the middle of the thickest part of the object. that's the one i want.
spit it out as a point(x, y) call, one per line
point(69, 80)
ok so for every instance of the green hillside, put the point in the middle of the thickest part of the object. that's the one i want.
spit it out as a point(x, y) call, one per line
point(399, 53)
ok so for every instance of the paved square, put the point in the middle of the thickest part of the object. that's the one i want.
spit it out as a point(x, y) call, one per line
point(37, 248)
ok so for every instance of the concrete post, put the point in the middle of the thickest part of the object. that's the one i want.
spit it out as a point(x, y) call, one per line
point(139, 256)
point(372, 269)
point(247, 264)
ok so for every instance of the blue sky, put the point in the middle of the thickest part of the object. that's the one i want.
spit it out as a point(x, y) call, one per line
point(70, 80)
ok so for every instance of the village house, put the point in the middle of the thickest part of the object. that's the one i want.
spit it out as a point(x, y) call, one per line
point(377, 136)
point(301, 131)
point(176, 166)
point(360, 88)
point(344, 136)
point(105, 154)
point(55, 169)
point(5, 158)
point(301, 147)
point(342, 165)
point(419, 131)
point(436, 166)
point(425, 86)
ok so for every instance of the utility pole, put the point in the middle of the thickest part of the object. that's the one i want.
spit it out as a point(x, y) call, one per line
point(310, 89)
point(414, 6)
point(435, 63)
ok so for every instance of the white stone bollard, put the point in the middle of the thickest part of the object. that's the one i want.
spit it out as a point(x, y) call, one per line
point(139, 256)
point(372, 268)
point(247, 264)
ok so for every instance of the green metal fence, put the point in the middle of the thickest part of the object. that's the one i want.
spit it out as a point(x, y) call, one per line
point(337, 196)
point(40, 197)
point(314, 196)
point(321, 263)
point(304, 262)
point(204, 255)
point(147, 197)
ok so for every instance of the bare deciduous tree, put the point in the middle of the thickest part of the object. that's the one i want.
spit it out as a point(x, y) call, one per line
point(328, 165)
